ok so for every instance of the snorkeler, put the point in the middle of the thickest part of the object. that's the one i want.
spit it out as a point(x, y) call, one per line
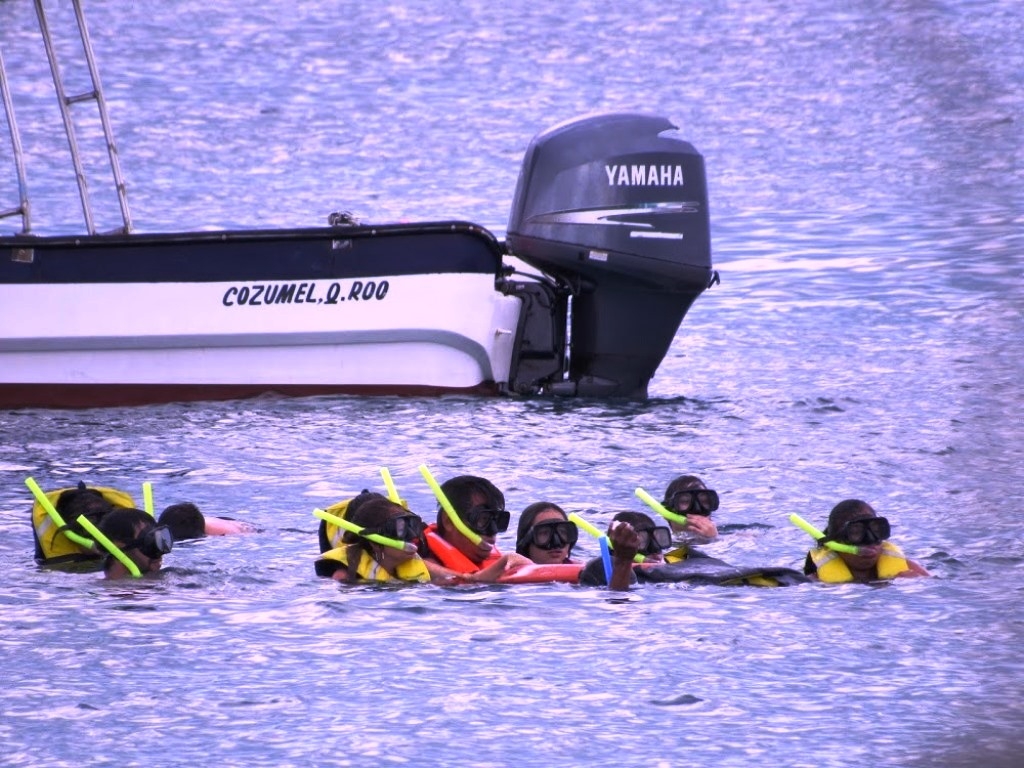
point(545, 534)
point(469, 555)
point(853, 523)
point(58, 536)
point(139, 539)
point(384, 549)
point(187, 522)
point(688, 495)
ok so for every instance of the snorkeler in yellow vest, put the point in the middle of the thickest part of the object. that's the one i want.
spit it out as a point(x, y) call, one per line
point(385, 548)
point(853, 523)
point(59, 538)
point(331, 534)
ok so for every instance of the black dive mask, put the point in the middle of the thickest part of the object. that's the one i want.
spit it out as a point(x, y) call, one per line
point(653, 540)
point(402, 528)
point(867, 530)
point(154, 543)
point(553, 534)
point(487, 521)
point(694, 501)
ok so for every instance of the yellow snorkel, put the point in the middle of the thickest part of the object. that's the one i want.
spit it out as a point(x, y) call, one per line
point(817, 535)
point(51, 510)
point(649, 500)
point(390, 485)
point(464, 529)
point(386, 541)
point(108, 545)
point(147, 499)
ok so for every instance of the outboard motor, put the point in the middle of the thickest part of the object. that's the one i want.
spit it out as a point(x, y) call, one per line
point(617, 210)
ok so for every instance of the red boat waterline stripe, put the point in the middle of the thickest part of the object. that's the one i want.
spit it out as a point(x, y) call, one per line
point(115, 395)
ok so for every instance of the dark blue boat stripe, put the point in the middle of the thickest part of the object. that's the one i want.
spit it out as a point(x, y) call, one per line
point(298, 254)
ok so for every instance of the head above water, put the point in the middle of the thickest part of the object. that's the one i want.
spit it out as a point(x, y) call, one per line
point(138, 536)
point(545, 534)
point(468, 493)
point(185, 521)
point(382, 516)
point(844, 512)
point(529, 515)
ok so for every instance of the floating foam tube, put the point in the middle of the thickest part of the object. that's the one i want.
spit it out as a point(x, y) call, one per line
point(606, 558)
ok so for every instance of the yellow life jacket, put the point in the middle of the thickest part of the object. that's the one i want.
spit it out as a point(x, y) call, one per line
point(52, 546)
point(678, 554)
point(369, 569)
point(832, 569)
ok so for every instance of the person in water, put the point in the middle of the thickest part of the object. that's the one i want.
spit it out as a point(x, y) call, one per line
point(138, 536)
point(51, 545)
point(855, 522)
point(629, 534)
point(545, 534)
point(359, 558)
point(187, 522)
point(688, 495)
point(450, 554)
point(330, 535)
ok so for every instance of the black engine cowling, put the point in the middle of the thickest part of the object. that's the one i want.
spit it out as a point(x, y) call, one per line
point(616, 208)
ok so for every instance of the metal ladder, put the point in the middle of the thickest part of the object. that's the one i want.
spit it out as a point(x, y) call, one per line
point(95, 95)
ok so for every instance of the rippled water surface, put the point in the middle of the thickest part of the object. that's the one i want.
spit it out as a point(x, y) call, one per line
point(865, 163)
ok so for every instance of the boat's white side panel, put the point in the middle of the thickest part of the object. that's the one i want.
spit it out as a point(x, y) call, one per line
point(443, 330)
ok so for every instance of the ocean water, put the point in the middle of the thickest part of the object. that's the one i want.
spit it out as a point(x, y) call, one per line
point(866, 164)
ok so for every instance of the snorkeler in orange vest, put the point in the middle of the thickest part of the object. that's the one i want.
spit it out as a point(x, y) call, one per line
point(450, 554)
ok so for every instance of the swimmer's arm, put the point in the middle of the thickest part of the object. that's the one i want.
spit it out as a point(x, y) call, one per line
point(625, 543)
point(441, 575)
point(507, 563)
point(219, 526)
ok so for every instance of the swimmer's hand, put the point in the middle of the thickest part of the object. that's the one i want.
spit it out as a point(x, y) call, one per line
point(624, 540)
point(702, 526)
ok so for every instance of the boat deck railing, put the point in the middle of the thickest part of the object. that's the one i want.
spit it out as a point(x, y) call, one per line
point(92, 96)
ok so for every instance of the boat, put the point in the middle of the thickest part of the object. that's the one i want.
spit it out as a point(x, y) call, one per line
point(607, 247)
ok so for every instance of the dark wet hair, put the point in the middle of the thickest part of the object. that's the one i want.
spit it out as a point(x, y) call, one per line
point(526, 522)
point(461, 492)
point(844, 512)
point(82, 501)
point(681, 483)
point(185, 521)
point(120, 524)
